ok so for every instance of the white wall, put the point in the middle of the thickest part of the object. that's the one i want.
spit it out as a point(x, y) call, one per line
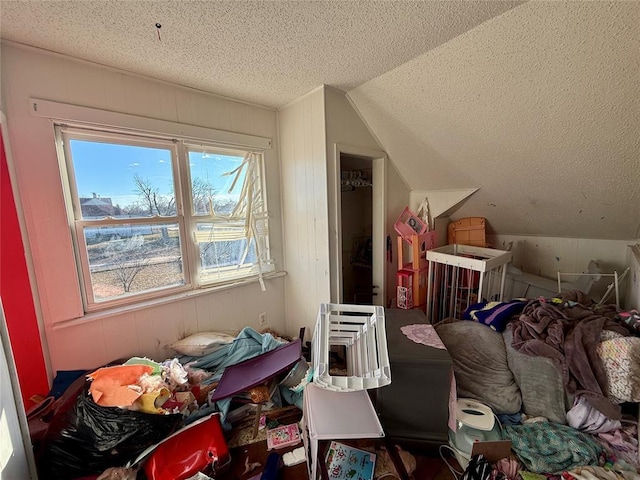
point(546, 256)
point(310, 129)
point(84, 344)
point(303, 157)
point(633, 282)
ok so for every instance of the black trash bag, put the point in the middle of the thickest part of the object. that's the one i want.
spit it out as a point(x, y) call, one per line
point(90, 438)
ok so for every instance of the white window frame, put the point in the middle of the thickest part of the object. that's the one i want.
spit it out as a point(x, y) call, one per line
point(232, 273)
point(185, 216)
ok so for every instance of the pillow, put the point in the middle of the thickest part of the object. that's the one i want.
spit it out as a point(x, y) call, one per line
point(621, 360)
point(540, 382)
point(202, 343)
point(480, 365)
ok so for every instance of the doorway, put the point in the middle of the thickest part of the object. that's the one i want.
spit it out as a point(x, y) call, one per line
point(359, 253)
point(356, 221)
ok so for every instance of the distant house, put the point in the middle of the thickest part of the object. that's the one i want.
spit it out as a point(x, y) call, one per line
point(96, 206)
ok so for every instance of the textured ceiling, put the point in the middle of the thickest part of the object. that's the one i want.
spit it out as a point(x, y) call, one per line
point(539, 107)
point(535, 103)
point(265, 52)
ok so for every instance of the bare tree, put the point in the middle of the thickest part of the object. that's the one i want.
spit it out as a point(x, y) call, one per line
point(126, 271)
point(145, 190)
point(202, 193)
point(162, 205)
point(134, 210)
point(127, 260)
point(157, 203)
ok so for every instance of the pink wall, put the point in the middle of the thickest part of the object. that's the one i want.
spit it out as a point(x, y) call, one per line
point(17, 298)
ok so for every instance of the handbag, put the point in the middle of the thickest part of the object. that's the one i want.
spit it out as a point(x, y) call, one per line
point(188, 451)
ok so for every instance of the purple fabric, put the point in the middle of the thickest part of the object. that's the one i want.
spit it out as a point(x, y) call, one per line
point(569, 333)
point(585, 418)
point(254, 371)
point(623, 443)
point(424, 334)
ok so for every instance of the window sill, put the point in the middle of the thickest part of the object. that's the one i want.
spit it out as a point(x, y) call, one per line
point(90, 317)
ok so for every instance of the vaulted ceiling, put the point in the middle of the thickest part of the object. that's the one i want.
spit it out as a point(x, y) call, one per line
point(535, 103)
point(539, 108)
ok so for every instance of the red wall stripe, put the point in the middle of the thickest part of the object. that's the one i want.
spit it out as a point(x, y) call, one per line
point(17, 299)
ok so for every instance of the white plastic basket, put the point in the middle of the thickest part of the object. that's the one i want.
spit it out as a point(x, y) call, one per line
point(360, 331)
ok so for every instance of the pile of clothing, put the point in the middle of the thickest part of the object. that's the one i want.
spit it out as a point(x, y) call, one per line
point(146, 386)
point(114, 413)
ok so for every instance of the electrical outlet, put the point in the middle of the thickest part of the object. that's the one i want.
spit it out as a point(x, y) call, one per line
point(262, 319)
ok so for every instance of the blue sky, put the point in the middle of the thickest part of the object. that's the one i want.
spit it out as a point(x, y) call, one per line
point(108, 169)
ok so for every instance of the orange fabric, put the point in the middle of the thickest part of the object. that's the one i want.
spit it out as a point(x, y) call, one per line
point(125, 374)
point(110, 385)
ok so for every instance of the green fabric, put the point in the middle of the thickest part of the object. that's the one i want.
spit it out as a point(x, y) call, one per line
point(546, 447)
point(157, 368)
point(531, 476)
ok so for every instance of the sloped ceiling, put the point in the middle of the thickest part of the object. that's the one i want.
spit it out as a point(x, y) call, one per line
point(539, 107)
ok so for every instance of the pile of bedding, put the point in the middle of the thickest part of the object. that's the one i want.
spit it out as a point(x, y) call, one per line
point(555, 371)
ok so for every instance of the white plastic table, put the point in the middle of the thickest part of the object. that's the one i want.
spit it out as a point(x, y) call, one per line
point(330, 415)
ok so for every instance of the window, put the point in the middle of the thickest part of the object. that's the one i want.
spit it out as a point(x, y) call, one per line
point(154, 216)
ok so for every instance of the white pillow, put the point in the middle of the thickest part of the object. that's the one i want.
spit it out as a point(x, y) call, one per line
point(202, 343)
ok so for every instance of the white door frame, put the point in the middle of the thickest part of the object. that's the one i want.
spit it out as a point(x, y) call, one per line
point(379, 208)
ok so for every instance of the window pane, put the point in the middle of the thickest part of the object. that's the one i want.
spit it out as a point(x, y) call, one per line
point(122, 181)
point(210, 187)
point(223, 246)
point(129, 259)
